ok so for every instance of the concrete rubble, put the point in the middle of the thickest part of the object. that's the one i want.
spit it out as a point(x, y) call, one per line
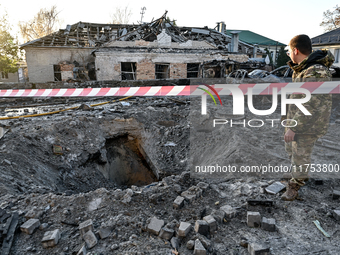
point(77, 202)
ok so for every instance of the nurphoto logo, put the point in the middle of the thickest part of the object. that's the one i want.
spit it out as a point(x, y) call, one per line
point(238, 99)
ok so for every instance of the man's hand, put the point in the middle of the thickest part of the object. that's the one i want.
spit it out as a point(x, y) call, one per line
point(289, 136)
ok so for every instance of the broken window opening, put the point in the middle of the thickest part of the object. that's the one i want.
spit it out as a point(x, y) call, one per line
point(162, 71)
point(193, 70)
point(212, 72)
point(57, 72)
point(128, 70)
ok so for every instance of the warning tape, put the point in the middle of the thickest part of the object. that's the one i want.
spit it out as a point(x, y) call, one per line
point(331, 87)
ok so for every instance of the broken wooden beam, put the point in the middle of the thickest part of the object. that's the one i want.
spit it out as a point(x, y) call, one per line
point(9, 235)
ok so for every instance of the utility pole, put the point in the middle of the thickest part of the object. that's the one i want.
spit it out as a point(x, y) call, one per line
point(142, 13)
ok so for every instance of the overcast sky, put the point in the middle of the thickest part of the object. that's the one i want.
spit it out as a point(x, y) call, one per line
point(278, 20)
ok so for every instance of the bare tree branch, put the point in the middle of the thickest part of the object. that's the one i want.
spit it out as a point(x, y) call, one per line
point(121, 15)
point(43, 23)
point(331, 19)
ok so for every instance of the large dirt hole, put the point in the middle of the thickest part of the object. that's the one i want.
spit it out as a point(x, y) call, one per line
point(126, 164)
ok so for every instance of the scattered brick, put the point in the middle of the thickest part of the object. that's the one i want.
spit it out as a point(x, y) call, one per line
point(104, 232)
point(51, 238)
point(179, 202)
point(211, 222)
point(202, 227)
point(166, 233)
point(199, 248)
point(155, 226)
point(203, 185)
point(229, 211)
point(336, 214)
point(29, 226)
point(184, 229)
point(218, 215)
point(268, 224)
point(275, 188)
point(85, 226)
point(90, 239)
point(336, 194)
point(258, 249)
point(192, 193)
point(253, 219)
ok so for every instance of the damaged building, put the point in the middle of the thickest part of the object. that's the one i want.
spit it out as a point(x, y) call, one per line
point(155, 50)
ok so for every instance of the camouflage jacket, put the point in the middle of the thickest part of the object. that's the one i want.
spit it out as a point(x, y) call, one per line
point(314, 68)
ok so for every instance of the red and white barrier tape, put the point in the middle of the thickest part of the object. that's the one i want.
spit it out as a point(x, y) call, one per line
point(330, 87)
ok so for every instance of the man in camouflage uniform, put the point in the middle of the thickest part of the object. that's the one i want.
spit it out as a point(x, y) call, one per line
point(308, 66)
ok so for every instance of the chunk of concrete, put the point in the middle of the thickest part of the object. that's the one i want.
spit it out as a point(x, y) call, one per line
point(90, 239)
point(229, 211)
point(199, 248)
point(85, 226)
point(268, 224)
point(51, 238)
point(104, 232)
point(94, 205)
point(336, 214)
point(336, 194)
point(155, 226)
point(192, 193)
point(188, 196)
point(29, 226)
point(218, 215)
point(253, 219)
point(258, 249)
point(184, 229)
point(211, 222)
point(202, 227)
point(166, 233)
point(178, 203)
point(275, 188)
point(33, 214)
point(202, 185)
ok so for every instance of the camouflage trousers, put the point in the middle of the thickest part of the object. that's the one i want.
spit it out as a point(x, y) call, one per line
point(300, 152)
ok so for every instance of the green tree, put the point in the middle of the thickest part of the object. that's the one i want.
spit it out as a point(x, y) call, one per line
point(9, 49)
point(331, 19)
point(282, 57)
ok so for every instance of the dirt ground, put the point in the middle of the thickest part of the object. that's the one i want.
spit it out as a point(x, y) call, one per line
point(123, 163)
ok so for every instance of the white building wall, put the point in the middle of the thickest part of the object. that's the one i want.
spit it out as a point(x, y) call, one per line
point(40, 60)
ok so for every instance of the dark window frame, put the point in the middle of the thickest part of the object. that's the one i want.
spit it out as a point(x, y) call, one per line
point(128, 70)
point(192, 69)
point(162, 71)
point(57, 73)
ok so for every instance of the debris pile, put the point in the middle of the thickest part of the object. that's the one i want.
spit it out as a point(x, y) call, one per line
point(58, 195)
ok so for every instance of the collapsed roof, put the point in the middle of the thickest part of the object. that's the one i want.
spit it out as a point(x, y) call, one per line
point(93, 35)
